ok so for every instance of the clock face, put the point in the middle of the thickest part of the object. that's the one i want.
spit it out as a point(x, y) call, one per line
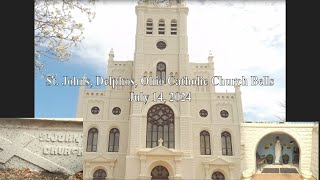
point(162, 3)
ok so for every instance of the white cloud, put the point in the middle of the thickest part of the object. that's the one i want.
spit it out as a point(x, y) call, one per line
point(246, 38)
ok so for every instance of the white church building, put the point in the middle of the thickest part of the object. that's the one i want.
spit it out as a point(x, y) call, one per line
point(204, 138)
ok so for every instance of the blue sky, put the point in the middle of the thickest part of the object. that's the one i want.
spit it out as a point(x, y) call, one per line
point(246, 38)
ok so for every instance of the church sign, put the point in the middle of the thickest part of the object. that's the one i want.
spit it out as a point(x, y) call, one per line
point(54, 145)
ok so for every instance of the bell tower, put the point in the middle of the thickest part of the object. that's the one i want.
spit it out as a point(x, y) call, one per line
point(161, 50)
point(161, 36)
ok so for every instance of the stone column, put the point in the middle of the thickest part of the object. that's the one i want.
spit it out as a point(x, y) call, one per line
point(178, 168)
point(142, 165)
point(247, 174)
point(207, 170)
point(111, 167)
point(307, 175)
point(231, 169)
point(86, 172)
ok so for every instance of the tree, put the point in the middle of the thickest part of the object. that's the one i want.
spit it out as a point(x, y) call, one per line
point(56, 29)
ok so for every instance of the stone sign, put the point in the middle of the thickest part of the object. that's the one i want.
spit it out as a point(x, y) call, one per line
point(54, 145)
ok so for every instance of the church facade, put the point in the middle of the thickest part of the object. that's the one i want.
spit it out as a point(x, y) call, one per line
point(197, 133)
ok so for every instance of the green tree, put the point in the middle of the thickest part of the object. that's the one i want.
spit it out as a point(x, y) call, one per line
point(56, 30)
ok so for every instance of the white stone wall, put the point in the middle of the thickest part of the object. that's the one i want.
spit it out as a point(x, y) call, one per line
point(104, 127)
point(315, 152)
point(252, 133)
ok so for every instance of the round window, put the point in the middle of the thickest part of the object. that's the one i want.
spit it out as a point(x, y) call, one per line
point(161, 45)
point(116, 111)
point(224, 114)
point(203, 113)
point(95, 110)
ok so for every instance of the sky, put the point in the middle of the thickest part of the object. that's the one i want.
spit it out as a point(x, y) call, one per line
point(247, 38)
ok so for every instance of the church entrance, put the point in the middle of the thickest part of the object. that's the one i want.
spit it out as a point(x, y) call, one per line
point(277, 152)
point(99, 174)
point(218, 176)
point(159, 173)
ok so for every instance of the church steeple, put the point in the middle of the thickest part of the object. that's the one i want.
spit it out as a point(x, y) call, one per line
point(163, 21)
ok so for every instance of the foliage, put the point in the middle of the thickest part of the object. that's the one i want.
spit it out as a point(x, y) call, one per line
point(269, 157)
point(285, 157)
point(56, 30)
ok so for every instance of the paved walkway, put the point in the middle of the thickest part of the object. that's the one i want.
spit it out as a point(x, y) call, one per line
point(277, 166)
point(277, 177)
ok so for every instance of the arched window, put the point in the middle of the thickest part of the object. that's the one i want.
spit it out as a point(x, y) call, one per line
point(99, 174)
point(114, 136)
point(161, 72)
point(160, 124)
point(205, 148)
point(218, 176)
point(92, 140)
point(161, 27)
point(226, 143)
point(173, 27)
point(159, 172)
point(149, 26)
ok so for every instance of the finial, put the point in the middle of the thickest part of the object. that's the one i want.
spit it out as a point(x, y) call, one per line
point(210, 53)
point(83, 80)
point(210, 57)
point(111, 51)
point(237, 87)
point(111, 55)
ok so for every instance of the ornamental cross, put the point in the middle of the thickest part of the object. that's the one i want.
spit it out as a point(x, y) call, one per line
point(160, 141)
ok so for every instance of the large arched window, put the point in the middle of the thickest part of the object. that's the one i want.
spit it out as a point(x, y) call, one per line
point(114, 136)
point(160, 124)
point(161, 27)
point(173, 27)
point(205, 148)
point(99, 174)
point(226, 143)
point(161, 72)
point(149, 26)
point(218, 176)
point(159, 172)
point(92, 140)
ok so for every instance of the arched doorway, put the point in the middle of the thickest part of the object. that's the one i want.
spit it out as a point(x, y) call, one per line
point(99, 174)
point(159, 173)
point(217, 176)
point(266, 154)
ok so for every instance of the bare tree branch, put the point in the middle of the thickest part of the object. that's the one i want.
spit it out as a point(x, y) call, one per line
point(282, 118)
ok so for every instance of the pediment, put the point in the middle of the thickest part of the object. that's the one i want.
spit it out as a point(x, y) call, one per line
point(101, 158)
point(160, 151)
point(218, 161)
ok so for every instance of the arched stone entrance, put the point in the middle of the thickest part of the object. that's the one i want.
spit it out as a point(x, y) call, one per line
point(252, 133)
point(159, 173)
point(217, 176)
point(99, 174)
point(266, 154)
